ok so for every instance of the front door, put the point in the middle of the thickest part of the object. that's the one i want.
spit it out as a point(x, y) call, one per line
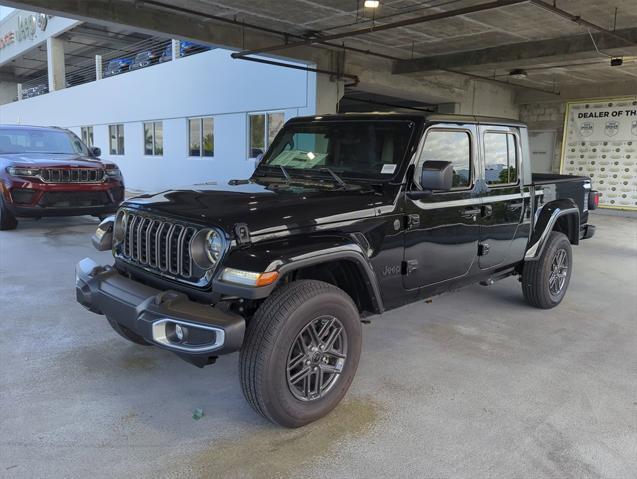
point(503, 201)
point(442, 230)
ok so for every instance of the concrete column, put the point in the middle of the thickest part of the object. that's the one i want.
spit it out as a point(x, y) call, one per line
point(19, 87)
point(328, 94)
point(55, 63)
point(98, 67)
point(175, 49)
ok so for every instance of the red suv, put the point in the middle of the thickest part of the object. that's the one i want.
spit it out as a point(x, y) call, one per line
point(50, 172)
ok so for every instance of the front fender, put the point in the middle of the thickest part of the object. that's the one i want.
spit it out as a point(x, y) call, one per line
point(286, 255)
point(545, 221)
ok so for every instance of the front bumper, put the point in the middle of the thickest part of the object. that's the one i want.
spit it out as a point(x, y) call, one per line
point(153, 314)
point(35, 199)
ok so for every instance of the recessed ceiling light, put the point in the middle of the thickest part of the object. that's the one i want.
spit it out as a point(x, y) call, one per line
point(371, 3)
point(518, 74)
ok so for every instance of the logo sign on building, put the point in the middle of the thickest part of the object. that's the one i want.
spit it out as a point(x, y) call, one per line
point(600, 141)
point(28, 26)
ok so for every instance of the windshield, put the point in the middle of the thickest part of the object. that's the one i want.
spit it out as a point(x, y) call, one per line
point(351, 149)
point(24, 140)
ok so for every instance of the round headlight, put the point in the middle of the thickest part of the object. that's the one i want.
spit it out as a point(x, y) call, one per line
point(207, 247)
point(119, 228)
point(214, 246)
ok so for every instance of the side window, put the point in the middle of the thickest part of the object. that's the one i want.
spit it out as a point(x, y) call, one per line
point(500, 158)
point(453, 146)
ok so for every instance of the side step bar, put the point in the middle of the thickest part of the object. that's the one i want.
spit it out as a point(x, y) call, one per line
point(498, 276)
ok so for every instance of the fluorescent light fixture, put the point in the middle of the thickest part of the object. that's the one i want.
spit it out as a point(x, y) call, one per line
point(371, 3)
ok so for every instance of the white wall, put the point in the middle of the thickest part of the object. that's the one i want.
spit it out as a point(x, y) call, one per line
point(206, 84)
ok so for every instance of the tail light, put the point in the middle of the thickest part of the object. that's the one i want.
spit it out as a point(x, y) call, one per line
point(593, 199)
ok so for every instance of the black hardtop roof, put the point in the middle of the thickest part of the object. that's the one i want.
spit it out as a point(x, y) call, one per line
point(413, 116)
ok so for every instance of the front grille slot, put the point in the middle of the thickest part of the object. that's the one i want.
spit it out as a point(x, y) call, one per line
point(72, 175)
point(159, 244)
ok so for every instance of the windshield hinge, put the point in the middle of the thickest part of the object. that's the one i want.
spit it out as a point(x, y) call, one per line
point(242, 234)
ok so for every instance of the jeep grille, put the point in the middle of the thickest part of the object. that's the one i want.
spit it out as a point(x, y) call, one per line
point(161, 246)
point(74, 175)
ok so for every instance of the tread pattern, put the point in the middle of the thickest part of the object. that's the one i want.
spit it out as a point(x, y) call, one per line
point(263, 330)
point(534, 275)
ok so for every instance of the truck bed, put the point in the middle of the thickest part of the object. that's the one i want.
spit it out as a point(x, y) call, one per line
point(545, 178)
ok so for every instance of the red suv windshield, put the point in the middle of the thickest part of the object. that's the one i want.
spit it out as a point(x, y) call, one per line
point(24, 140)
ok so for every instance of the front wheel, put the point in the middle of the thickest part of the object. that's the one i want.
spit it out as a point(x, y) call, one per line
point(7, 220)
point(300, 353)
point(545, 280)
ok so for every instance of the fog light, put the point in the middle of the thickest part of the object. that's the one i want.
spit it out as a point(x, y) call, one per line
point(179, 332)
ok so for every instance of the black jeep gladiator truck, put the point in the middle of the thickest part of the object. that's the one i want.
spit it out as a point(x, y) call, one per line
point(346, 216)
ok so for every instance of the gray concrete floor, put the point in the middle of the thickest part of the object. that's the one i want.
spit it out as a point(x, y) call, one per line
point(474, 385)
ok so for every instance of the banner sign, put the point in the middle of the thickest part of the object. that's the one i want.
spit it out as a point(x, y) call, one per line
point(600, 141)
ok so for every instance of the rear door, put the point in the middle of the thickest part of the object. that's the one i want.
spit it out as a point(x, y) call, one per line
point(502, 199)
point(442, 230)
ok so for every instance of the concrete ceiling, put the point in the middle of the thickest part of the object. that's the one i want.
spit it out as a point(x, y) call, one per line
point(518, 25)
point(516, 28)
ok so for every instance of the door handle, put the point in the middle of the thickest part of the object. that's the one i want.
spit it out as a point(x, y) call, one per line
point(471, 213)
point(515, 206)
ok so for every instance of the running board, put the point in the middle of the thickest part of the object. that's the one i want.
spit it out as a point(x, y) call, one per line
point(498, 276)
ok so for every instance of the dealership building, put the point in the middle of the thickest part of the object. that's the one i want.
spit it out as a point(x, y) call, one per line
point(195, 116)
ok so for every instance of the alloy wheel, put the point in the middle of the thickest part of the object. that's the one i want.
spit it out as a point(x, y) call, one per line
point(559, 272)
point(316, 358)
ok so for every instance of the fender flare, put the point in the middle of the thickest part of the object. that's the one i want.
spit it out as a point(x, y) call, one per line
point(545, 220)
point(268, 257)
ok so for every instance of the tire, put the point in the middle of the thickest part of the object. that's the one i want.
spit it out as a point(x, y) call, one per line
point(544, 281)
point(7, 220)
point(127, 333)
point(272, 343)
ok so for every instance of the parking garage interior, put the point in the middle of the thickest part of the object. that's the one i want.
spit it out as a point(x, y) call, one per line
point(469, 384)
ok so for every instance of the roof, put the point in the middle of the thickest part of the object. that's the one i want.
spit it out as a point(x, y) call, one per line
point(30, 127)
point(414, 116)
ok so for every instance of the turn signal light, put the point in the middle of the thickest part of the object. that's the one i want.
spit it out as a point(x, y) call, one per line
point(265, 279)
point(249, 278)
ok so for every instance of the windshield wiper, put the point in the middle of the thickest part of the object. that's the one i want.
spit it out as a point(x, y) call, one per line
point(337, 178)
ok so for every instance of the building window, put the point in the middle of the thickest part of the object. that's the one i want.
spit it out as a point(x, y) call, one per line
point(116, 139)
point(263, 129)
point(201, 136)
point(153, 138)
point(452, 146)
point(87, 135)
point(500, 159)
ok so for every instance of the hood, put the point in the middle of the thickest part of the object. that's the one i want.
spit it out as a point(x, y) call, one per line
point(45, 160)
point(264, 208)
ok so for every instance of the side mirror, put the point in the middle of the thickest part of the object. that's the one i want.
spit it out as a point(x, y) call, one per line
point(95, 151)
point(103, 238)
point(436, 175)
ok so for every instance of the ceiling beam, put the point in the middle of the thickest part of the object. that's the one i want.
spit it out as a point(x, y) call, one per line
point(523, 51)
